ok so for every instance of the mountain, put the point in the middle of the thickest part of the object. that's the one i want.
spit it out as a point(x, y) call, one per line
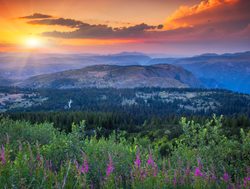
point(229, 71)
point(25, 65)
point(103, 76)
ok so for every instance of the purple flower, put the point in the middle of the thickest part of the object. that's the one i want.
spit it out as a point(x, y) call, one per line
point(246, 181)
point(155, 170)
point(2, 155)
point(137, 161)
point(213, 177)
point(150, 161)
point(143, 174)
point(85, 166)
point(226, 177)
point(110, 167)
point(198, 172)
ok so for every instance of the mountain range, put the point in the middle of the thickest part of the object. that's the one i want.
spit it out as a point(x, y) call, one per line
point(228, 71)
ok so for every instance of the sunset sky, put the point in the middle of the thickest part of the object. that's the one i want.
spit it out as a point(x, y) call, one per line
point(173, 27)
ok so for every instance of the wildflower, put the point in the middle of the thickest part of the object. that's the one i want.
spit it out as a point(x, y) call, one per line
point(150, 161)
point(155, 170)
point(2, 155)
point(226, 177)
point(85, 166)
point(213, 177)
point(137, 161)
point(198, 172)
point(246, 181)
point(110, 167)
point(143, 174)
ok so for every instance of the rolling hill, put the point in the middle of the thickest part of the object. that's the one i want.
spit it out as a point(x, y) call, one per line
point(104, 76)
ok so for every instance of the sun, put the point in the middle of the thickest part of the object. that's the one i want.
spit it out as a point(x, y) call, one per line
point(33, 42)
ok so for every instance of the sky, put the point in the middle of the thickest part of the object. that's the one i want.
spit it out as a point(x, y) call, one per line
point(172, 27)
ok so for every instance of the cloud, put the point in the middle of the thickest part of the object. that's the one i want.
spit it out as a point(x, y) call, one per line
point(85, 30)
point(58, 21)
point(36, 16)
point(227, 15)
point(104, 31)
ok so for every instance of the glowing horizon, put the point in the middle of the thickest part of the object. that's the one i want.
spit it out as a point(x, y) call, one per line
point(111, 26)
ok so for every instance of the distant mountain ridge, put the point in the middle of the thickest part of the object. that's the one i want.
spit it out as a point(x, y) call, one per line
point(228, 71)
point(103, 76)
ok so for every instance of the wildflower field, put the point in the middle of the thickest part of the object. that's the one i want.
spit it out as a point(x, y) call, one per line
point(40, 156)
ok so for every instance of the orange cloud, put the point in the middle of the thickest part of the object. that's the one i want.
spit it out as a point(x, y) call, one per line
point(177, 19)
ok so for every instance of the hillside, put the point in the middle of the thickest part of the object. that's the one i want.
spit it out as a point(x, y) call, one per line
point(229, 71)
point(103, 76)
point(25, 65)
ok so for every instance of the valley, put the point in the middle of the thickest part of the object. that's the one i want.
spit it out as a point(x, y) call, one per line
point(143, 101)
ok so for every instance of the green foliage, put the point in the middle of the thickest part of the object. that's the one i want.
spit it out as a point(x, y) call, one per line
point(209, 143)
point(39, 156)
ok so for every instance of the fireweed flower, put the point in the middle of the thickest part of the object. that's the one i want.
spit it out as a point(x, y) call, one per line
point(137, 161)
point(2, 155)
point(246, 181)
point(85, 166)
point(226, 177)
point(110, 167)
point(150, 161)
point(213, 177)
point(197, 172)
point(155, 170)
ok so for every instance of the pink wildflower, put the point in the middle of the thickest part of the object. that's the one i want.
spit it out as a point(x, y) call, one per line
point(155, 170)
point(226, 177)
point(150, 160)
point(138, 161)
point(85, 166)
point(246, 181)
point(198, 172)
point(213, 177)
point(110, 167)
point(2, 155)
